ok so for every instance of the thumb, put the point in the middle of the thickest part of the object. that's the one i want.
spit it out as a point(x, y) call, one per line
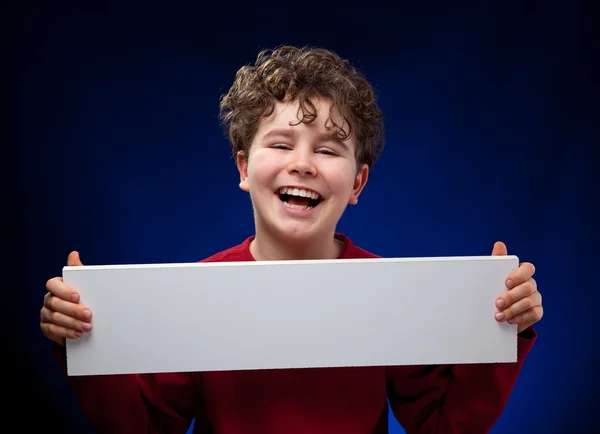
point(73, 259)
point(499, 249)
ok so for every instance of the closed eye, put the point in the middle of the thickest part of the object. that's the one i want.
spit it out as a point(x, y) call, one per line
point(280, 146)
point(326, 152)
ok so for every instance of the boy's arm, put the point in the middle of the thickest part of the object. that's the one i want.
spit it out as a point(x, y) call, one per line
point(150, 403)
point(454, 399)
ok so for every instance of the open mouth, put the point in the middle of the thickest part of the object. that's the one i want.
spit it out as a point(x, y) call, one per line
point(299, 198)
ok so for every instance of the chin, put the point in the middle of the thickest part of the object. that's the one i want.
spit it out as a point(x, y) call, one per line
point(298, 233)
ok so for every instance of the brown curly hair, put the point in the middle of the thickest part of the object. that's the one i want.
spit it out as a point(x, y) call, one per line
point(301, 74)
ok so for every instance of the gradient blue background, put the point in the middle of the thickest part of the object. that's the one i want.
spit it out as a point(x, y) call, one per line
point(492, 126)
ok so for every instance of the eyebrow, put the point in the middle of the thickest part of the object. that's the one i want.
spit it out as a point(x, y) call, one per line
point(290, 134)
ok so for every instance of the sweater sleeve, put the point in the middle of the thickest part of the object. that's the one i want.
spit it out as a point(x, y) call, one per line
point(149, 403)
point(452, 399)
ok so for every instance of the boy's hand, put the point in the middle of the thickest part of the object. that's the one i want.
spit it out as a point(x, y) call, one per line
point(522, 303)
point(62, 316)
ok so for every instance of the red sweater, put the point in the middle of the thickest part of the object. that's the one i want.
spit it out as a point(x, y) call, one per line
point(425, 399)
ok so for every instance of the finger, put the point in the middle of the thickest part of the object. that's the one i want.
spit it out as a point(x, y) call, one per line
point(47, 299)
point(529, 317)
point(58, 333)
point(523, 273)
point(73, 259)
point(60, 290)
point(517, 293)
point(519, 307)
point(499, 249)
point(46, 315)
point(70, 309)
point(58, 339)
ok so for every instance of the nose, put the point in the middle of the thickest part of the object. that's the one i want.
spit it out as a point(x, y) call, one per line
point(301, 163)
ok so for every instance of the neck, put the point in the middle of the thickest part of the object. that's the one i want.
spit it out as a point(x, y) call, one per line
point(270, 247)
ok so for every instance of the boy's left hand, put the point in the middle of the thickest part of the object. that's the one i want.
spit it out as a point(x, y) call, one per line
point(522, 303)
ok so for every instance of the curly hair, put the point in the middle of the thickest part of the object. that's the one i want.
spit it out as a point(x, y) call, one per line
point(302, 74)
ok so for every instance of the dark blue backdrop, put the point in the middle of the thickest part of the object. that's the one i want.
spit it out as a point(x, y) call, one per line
point(492, 118)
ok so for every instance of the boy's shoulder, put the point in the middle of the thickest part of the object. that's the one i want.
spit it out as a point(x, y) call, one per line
point(241, 252)
point(352, 251)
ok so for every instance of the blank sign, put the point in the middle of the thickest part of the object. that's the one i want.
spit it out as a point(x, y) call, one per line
point(291, 314)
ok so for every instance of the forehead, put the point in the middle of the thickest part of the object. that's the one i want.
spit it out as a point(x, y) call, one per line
point(288, 115)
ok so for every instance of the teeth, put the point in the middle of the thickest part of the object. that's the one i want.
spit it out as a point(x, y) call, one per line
point(299, 192)
point(305, 208)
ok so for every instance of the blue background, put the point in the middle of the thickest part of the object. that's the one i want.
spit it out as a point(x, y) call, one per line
point(492, 123)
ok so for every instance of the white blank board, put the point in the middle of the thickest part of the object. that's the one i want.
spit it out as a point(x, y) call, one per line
point(291, 314)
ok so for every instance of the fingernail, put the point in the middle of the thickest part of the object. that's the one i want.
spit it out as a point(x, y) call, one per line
point(500, 303)
point(86, 326)
point(78, 334)
point(86, 314)
point(509, 283)
point(74, 297)
point(511, 321)
point(499, 316)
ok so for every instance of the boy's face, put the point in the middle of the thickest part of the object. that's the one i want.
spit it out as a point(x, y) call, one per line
point(299, 177)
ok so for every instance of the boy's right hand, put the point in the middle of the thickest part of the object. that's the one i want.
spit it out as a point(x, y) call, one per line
point(62, 316)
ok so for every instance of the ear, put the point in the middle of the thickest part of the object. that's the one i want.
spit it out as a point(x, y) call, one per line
point(242, 165)
point(359, 183)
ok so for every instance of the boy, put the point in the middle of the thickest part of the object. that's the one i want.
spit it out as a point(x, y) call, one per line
point(305, 129)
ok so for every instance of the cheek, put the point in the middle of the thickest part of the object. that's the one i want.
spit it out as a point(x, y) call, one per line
point(341, 179)
point(261, 171)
